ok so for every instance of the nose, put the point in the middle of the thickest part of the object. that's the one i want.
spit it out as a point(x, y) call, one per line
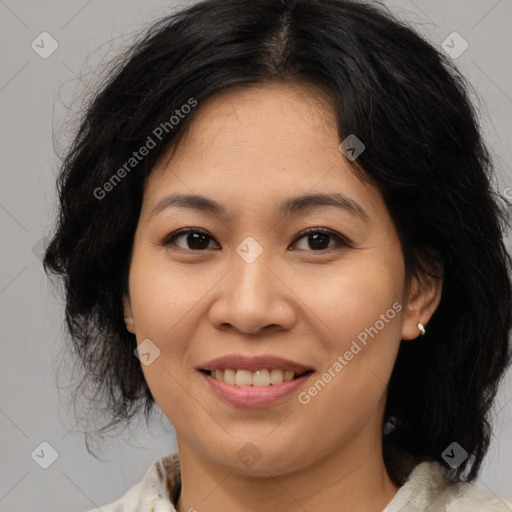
point(253, 298)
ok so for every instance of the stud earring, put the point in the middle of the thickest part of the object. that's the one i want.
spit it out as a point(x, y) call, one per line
point(421, 328)
point(132, 324)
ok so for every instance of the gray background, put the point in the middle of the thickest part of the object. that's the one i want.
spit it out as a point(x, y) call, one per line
point(36, 98)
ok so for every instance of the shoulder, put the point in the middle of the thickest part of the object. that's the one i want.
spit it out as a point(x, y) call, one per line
point(466, 497)
point(157, 490)
point(426, 491)
point(121, 505)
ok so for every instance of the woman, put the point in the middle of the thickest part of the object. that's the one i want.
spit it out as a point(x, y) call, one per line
point(277, 224)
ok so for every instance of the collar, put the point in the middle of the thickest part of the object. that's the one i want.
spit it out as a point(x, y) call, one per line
point(160, 488)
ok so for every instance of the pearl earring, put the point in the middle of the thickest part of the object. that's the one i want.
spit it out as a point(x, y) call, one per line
point(421, 328)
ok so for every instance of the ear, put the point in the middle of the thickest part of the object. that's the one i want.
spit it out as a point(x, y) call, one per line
point(128, 315)
point(424, 297)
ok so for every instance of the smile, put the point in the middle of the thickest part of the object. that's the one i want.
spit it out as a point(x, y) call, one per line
point(251, 395)
point(253, 381)
point(259, 378)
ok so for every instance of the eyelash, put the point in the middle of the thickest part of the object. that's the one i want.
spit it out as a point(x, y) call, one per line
point(341, 241)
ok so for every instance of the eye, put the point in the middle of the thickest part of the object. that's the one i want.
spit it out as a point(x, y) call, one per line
point(195, 239)
point(318, 239)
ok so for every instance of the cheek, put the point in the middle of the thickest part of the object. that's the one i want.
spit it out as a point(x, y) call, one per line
point(364, 309)
point(162, 300)
point(353, 296)
point(163, 294)
point(360, 311)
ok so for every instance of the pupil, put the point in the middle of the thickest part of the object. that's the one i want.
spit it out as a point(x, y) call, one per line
point(318, 239)
point(197, 241)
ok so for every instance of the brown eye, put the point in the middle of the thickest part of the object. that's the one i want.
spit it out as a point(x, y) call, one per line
point(194, 239)
point(316, 240)
point(319, 239)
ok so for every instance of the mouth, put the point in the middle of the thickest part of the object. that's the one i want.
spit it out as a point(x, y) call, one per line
point(264, 377)
point(254, 381)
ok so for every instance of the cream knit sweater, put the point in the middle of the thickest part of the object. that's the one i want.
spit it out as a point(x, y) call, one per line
point(424, 491)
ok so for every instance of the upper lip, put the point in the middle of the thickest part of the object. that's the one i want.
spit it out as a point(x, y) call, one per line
point(254, 363)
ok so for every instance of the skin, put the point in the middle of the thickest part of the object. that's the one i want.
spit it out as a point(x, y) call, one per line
point(249, 149)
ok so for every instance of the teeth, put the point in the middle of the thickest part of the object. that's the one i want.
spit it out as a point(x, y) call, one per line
point(229, 376)
point(288, 375)
point(277, 376)
point(261, 378)
point(242, 377)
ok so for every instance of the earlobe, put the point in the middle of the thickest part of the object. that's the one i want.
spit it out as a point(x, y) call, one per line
point(128, 315)
point(424, 298)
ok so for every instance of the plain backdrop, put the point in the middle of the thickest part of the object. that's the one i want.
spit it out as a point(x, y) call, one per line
point(37, 97)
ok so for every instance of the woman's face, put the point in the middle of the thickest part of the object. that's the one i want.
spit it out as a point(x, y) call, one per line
point(249, 285)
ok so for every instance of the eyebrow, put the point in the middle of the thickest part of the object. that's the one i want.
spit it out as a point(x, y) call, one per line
point(291, 205)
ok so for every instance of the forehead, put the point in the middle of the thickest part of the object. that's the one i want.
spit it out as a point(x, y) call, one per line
point(264, 142)
point(272, 116)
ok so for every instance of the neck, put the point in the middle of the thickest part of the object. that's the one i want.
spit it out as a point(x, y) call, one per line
point(353, 478)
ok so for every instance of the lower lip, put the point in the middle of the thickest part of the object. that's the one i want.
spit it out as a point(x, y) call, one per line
point(255, 396)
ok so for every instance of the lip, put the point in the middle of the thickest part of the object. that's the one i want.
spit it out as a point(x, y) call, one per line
point(254, 363)
point(254, 396)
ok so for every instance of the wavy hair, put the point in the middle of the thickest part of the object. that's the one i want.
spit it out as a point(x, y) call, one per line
point(424, 151)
